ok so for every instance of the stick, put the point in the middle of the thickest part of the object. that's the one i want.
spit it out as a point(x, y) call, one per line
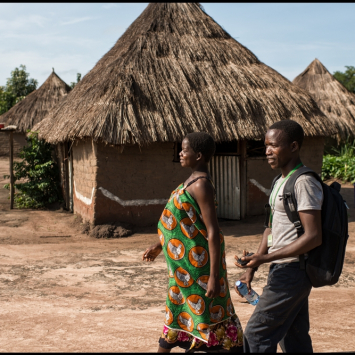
point(11, 171)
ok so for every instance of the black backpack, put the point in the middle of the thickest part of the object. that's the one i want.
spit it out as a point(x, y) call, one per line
point(325, 262)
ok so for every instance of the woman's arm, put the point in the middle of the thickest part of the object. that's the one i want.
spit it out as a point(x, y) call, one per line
point(152, 252)
point(203, 193)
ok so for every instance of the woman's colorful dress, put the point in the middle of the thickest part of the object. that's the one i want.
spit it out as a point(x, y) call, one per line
point(190, 315)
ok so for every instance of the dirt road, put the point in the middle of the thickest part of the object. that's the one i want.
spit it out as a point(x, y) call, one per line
point(61, 290)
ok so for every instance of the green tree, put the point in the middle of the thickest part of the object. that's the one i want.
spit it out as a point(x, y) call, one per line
point(6, 100)
point(347, 78)
point(17, 87)
point(78, 77)
point(40, 174)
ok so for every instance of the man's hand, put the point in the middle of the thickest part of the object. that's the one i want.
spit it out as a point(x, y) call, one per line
point(245, 252)
point(246, 278)
point(152, 252)
point(253, 261)
point(213, 287)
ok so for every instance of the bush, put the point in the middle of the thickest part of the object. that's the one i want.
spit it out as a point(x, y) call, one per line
point(340, 164)
point(41, 174)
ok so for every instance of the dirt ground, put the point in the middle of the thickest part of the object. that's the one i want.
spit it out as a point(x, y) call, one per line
point(61, 290)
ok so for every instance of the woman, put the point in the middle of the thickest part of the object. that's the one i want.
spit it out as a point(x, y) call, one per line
point(199, 311)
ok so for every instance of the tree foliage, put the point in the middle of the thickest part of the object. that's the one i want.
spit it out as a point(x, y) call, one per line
point(347, 78)
point(78, 77)
point(341, 163)
point(17, 87)
point(40, 174)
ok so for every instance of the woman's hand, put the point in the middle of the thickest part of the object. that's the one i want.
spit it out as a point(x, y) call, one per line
point(152, 252)
point(213, 287)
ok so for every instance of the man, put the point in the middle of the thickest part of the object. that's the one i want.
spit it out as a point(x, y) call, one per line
point(281, 315)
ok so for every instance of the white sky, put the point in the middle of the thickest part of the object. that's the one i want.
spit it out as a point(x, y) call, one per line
point(72, 37)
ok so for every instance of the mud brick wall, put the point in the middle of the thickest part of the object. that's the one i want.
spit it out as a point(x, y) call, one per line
point(136, 174)
point(84, 174)
point(259, 170)
point(19, 140)
point(312, 153)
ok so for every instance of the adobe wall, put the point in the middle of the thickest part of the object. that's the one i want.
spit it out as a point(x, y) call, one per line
point(19, 140)
point(84, 179)
point(259, 179)
point(135, 174)
point(149, 174)
point(260, 174)
point(312, 153)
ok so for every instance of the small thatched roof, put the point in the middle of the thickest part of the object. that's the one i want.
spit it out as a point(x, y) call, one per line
point(35, 106)
point(174, 71)
point(334, 99)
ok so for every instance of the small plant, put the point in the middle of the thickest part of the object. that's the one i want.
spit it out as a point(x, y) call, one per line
point(340, 164)
point(40, 172)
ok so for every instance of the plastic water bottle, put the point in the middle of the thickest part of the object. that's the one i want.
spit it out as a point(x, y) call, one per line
point(252, 297)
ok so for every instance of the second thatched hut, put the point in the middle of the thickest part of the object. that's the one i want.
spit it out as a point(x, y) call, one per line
point(334, 99)
point(31, 110)
point(174, 71)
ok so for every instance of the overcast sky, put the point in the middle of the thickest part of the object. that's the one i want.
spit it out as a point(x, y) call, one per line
point(72, 37)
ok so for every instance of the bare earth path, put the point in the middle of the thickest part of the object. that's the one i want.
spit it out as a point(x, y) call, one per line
point(61, 290)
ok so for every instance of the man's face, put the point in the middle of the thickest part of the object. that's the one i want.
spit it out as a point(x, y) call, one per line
point(279, 151)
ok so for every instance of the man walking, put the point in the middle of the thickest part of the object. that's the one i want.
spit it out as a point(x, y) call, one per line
point(281, 315)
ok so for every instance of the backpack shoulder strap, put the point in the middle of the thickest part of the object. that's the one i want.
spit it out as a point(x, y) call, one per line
point(289, 198)
point(267, 206)
point(290, 202)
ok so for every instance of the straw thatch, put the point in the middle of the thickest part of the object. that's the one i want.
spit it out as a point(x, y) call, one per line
point(334, 99)
point(35, 106)
point(174, 71)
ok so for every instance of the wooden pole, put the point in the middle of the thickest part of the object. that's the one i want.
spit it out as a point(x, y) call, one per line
point(11, 171)
point(66, 170)
point(243, 178)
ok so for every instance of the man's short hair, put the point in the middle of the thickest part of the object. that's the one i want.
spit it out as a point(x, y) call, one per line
point(293, 130)
point(202, 142)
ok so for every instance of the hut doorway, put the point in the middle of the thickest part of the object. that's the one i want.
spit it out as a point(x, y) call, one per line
point(225, 173)
point(225, 168)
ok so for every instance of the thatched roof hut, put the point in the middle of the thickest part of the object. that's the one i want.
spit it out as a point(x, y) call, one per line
point(336, 102)
point(37, 104)
point(174, 71)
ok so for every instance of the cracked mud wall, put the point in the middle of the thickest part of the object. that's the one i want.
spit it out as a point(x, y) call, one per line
point(135, 174)
point(84, 181)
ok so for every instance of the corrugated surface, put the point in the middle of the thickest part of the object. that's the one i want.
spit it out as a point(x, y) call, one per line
point(225, 174)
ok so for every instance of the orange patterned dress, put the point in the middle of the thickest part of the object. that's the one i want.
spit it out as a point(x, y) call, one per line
point(190, 316)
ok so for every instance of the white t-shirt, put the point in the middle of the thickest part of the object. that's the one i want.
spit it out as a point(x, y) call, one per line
point(309, 196)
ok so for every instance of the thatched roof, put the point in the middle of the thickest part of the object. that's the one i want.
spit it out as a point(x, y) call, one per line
point(174, 71)
point(334, 99)
point(35, 106)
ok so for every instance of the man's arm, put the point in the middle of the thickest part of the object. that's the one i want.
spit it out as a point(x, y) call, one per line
point(263, 248)
point(312, 237)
